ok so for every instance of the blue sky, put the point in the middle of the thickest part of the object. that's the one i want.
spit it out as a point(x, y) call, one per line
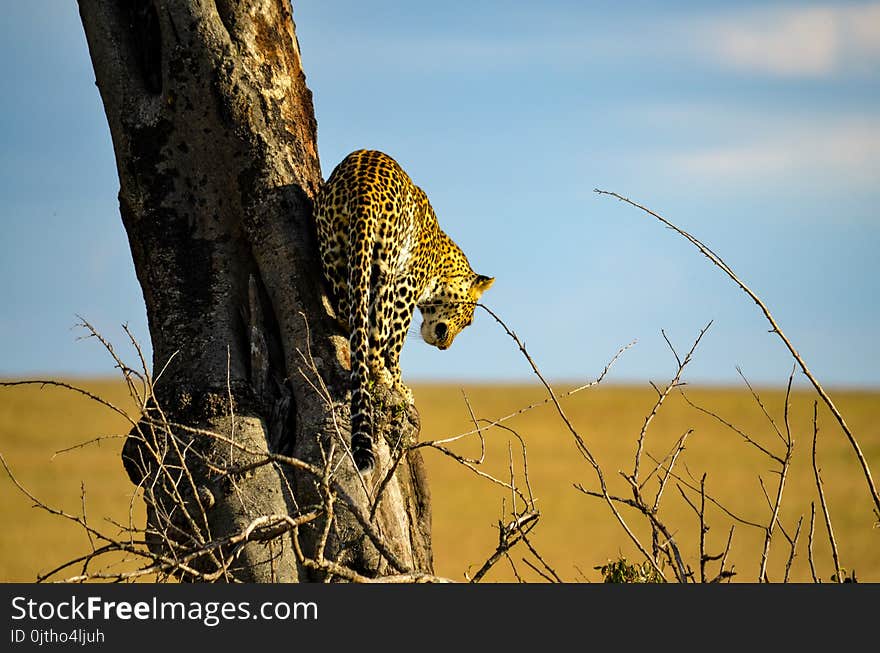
point(756, 126)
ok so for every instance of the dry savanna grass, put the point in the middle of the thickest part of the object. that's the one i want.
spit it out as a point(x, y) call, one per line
point(575, 533)
point(578, 532)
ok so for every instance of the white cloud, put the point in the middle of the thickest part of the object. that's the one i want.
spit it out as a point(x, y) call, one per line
point(797, 42)
point(812, 41)
point(843, 151)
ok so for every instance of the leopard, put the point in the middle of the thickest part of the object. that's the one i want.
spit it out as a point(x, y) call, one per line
point(383, 254)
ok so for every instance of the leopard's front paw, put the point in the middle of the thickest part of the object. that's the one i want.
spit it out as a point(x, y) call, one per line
point(384, 378)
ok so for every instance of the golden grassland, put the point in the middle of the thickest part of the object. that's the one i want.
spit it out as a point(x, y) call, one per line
point(576, 532)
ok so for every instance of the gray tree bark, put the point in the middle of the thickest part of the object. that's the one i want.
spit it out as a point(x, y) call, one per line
point(215, 142)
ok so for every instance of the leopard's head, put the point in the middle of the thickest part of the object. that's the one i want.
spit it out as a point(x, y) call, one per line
point(451, 308)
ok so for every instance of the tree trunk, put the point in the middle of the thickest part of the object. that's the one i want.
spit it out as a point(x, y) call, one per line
point(215, 142)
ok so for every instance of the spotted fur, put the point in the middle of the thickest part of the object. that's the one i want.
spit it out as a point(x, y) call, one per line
point(383, 253)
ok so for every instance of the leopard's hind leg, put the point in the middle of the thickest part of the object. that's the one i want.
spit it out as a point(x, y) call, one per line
point(402, 307)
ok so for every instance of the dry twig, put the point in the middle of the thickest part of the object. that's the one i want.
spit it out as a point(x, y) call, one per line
point(719, 262)
point(828, 528)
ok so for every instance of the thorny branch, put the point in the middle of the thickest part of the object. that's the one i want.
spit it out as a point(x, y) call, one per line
point(582, 447)
point(822, 503)
point(719, 262)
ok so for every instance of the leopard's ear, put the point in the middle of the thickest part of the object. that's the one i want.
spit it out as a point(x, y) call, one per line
point(481, 284)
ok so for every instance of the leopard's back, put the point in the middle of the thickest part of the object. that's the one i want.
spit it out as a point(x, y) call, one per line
point(382, 254)
point(368, 199)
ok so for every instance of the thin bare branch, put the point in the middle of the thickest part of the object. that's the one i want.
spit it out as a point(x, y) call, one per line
point(825, 513)
point(733, 428)
point(703, 529)
point(760, 403)
point(540, 573)
point(579, 442)
point(563, 395)
point(712, 500)
point(717, 261)
point(793, 552)
point(722, 573)
point(682, 364)
point(810, 541)
point(552, 572)
point(508, 535)
point(775, 510)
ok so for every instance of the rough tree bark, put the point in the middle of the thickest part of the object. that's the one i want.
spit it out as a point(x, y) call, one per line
point(215, 142)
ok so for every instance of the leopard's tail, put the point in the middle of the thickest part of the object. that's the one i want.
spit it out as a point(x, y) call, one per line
point(359, 289)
